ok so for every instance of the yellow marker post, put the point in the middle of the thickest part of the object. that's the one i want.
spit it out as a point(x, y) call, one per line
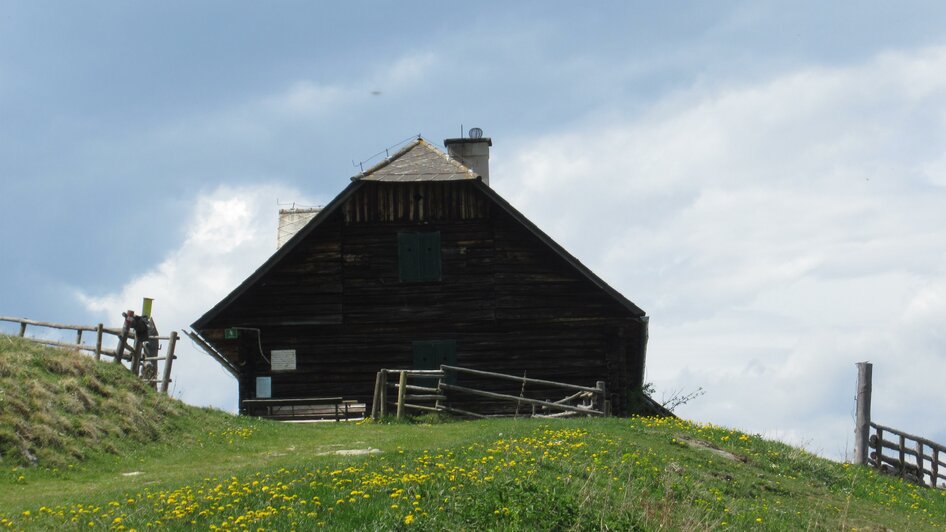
point(146, 306)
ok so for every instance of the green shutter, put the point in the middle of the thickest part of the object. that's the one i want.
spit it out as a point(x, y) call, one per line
point(418, 256)
point(425, 355)
point(430, 354)
point(429, 256)
point(408, 257)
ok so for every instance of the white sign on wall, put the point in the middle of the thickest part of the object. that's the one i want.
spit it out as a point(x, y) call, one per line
point(283, 359)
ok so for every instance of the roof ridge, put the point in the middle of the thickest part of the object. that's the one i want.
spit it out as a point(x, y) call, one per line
point(420, 160)
point(390, 159)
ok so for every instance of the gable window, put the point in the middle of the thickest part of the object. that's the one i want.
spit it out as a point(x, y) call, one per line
point(418, 256)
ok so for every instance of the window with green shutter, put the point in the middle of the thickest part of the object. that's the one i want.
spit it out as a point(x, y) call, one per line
point(430, 354)
point(418, 256)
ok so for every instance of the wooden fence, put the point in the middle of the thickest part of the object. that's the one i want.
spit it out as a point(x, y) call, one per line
point(140, 361)
point(410, 395)
point(911, 457)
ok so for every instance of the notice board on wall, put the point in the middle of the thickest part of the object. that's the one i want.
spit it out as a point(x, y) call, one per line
point(283, 359)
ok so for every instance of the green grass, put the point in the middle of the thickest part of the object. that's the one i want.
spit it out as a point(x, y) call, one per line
point(215, 470)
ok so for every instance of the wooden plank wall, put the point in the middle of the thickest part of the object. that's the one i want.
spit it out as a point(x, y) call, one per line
point(510, 302)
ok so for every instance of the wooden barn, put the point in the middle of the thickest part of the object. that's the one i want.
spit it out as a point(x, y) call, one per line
point(419, 262)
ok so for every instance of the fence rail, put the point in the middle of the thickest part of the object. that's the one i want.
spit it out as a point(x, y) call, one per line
point(134, 353)
point(408, 396)
point(915, 458)
point(910, 461)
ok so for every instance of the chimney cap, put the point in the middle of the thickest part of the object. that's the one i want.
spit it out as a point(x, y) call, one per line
point(448, 142)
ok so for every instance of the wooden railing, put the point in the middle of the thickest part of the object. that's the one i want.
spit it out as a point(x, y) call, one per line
point(408, 395)
point(910, 460)
point(402, 398)
point(913, 458)
point(135, 353)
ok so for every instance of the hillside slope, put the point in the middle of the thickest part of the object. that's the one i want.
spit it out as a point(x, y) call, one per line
point(58, 407)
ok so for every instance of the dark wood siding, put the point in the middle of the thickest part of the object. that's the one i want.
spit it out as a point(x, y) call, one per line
point(511, 303)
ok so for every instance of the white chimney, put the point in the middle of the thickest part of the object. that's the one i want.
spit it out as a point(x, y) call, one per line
point(290, 221)
point(472, 152)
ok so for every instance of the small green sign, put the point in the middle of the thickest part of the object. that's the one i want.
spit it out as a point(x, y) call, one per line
point(231, 334)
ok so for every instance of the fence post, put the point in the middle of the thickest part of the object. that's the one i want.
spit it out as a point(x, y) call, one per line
point(903, 456)
point(384, 392)
point(401, 388)
point(136, 356)
point(98, 341)
point(376, 397)
point(440, 379)
point(122, 340)
point(78, 336)
point(862, 415)
point(879, 449)
point(22, 329)
point(605, 404)
point(166, 378)
point(934, 468)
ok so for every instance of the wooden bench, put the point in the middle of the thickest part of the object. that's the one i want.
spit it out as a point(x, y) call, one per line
point(301, 408)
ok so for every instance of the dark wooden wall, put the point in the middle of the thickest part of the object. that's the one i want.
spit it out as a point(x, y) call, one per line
point(509, 301)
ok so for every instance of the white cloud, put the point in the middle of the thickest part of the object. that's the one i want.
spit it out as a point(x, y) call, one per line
point(776, 233)
point(232, 230)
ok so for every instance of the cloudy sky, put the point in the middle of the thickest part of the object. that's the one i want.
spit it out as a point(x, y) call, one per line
point(767, 180)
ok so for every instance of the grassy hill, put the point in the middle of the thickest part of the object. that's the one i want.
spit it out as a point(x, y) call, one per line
point(161, 464)
point(58, 407)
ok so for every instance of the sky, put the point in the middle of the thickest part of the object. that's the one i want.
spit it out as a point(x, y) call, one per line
point(766, 179)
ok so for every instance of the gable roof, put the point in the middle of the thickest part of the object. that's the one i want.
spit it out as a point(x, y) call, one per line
point(418, 153)
point(418, 161)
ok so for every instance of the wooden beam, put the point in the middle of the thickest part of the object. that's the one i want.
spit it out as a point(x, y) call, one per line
point(24, 322)
point(120, 350)
point(862, 412)
point(519, 379)
point(425, 397)
point(400, 395)
point(462, 412)
point(494, 395)
point(166, 377)
point(384, 393)
point(377, 396)
point(98, 342)
point(925, 441)
point(136, 357)
point(421, 407)
point(68, 345)
point(193, 335)
point(605, 402)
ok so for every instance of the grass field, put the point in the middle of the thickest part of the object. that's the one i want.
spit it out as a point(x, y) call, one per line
point(209, 470)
